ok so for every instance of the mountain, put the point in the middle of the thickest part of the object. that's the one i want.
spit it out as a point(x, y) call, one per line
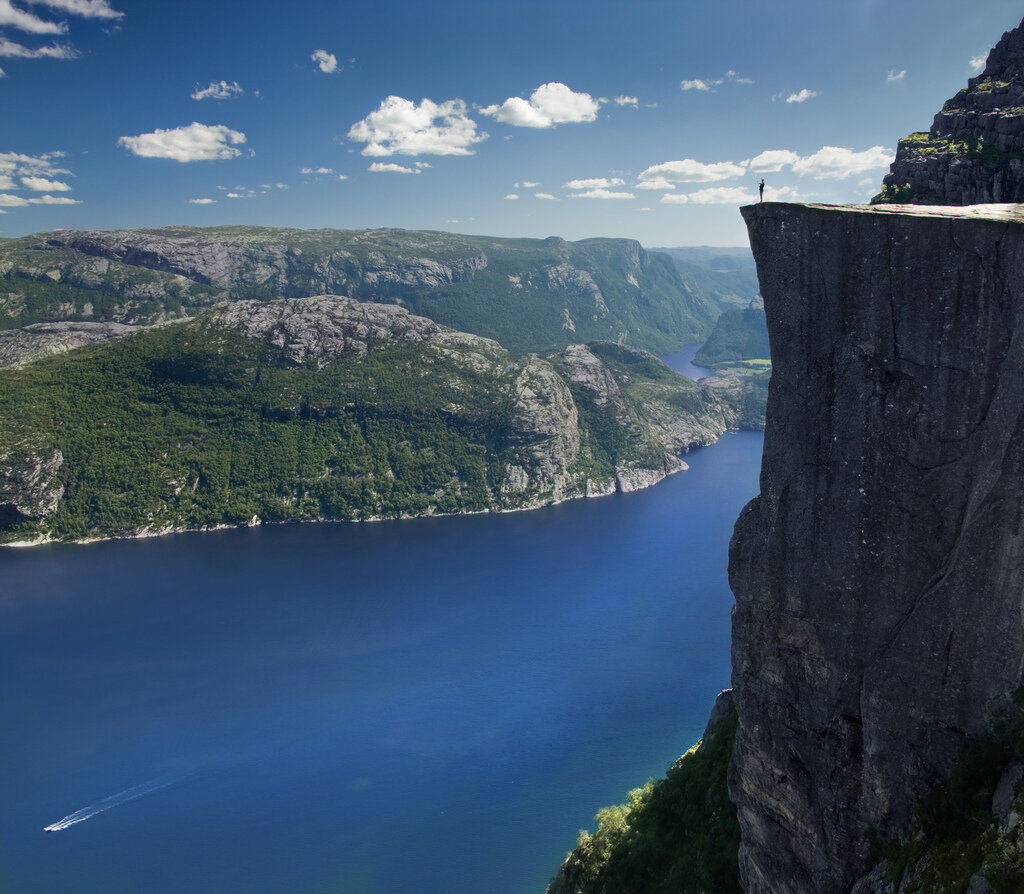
point(531, 295)
point(321, 408)
point(727, 276)
point(974, 151)
point(740, 335)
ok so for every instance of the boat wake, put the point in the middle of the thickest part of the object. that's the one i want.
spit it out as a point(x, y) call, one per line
point(129, 794)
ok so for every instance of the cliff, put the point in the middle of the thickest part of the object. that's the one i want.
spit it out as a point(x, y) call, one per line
point(974, 151)
point(878, 576)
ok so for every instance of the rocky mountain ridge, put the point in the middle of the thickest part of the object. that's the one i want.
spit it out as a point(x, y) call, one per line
point(974, 151)
point(529, 294)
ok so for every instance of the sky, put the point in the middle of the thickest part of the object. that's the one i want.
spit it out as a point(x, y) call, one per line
point(650, 119)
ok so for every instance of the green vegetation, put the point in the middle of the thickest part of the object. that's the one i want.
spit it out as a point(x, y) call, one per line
point(726, 276)
point(531, 295)
point(677, 835)
point(894, 195)
point(955, 835)
point(739, 335)
point(193, 426)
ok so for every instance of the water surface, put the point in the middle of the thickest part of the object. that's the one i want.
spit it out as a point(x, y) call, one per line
point(420, 707)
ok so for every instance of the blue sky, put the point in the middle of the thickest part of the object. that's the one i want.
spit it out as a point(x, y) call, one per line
point(647, 119)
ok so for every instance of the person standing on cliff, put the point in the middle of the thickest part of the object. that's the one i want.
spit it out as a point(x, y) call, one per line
point(760, 189)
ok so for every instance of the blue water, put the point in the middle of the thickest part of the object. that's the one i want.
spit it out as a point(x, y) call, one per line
point(683, 362)
point(394, 708)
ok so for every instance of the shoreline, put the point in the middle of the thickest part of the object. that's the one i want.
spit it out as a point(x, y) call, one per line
point(256, 522)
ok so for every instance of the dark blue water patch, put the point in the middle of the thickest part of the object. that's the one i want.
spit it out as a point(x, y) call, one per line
point(433, 705)
point(683, 362)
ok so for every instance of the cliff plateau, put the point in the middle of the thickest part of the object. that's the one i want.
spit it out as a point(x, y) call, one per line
point(878, 576)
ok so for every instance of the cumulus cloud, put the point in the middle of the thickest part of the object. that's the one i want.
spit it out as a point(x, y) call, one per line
point(656, 183)
point(801, 95)
point(595, 183)
point(627, 101)
point(202, 201)
point(316, 170)
point(196, 142)
point(512, 196)
point(547, 196)
point(400, 127)
point(549, 105)
point(772, 160)
point(11, 16)
point(601, 193)
point(13, 50)
point(713, 195)
point(41, 184)
point(977, 63)
point(218, 90)
point(834, 162)
point(896, 75)
point(706, 85)
point(327, 62)
point(527, 184)
point(10, 201)
point(689, 171)
point(87, 9)
point(380, 167)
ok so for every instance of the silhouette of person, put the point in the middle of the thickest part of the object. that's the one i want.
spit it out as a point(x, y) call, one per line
point(760, 189)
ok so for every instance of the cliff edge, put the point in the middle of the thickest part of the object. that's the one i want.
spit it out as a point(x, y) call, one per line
point(878, 576)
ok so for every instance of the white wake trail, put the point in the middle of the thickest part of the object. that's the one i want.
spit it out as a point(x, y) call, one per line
point(129, 794)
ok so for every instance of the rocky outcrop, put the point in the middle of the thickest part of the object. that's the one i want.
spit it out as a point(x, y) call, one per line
point(974, 151)
point(30, 489)
point(18, 346)
point(879, 574)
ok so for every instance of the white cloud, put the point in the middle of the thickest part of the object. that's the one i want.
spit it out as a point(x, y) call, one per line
point(202, 201)
point(400, 127)
point(834, 162)
point(801, 95)
point(328, 62)
point(218, 90)
point(689, 171)
point(87, 9)
point(41, 184)
point(3, 74)
point(10, 201)
point(549, 105)
point(772, 160)
point(977, 63)
point(546, 196)
point(706, 85)
point(343, 176)
point(379, 167)
point(627, 101)
point(423, 164)
point(11, 16)
point(601, 193)
point(896, 75)
point(714, 195)
point(196, 142)
point(656, 183)
point(12, 50)
point(595, 183)
point(316, 170)
point(512, 196)
point(527, 184)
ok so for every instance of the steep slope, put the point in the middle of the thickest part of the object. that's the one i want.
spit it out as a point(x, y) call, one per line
point(878, 576)
point(529, 294)
point(326, 407)
point(974, 151)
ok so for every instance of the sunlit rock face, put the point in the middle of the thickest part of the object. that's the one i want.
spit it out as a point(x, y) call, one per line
point(879, 574)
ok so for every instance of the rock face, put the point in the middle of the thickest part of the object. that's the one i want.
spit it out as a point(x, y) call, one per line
point(18, 346)
point(879, 574)
point(974, 152)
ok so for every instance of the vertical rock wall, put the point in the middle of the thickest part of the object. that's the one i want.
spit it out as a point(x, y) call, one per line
point(879, 575)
